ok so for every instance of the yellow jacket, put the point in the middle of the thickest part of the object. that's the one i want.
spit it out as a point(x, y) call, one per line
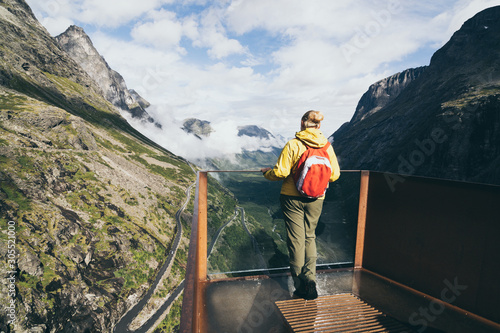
point(290, 155)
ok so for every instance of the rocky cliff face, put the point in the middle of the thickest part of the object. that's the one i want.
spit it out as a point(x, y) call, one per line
point(88, 201)
point(383, 92)
point(79, 46)
point(38, 69)
point(446, 122)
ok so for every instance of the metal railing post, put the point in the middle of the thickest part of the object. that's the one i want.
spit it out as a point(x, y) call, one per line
point(363, 201)
point(201, 251)
point(192, 316)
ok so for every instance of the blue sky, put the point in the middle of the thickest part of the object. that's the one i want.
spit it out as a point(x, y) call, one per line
point(239, 62)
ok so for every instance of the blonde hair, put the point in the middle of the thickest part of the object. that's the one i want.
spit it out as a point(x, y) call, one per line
point(312, 118)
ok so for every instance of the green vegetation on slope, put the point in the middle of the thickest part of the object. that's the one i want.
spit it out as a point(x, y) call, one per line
point(94, 210)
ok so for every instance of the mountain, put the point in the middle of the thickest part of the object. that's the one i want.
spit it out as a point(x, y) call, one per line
point(246, 160)
point(252, 147)
point(445, 122)
point(88, 201)
point(80, 48)
point(139, 99)
point(259, 148)
point(197, 127)
point(254, 131)
point(34, 64)
point(383, 92)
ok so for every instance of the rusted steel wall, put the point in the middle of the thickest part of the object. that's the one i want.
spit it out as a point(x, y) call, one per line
point(439, 237)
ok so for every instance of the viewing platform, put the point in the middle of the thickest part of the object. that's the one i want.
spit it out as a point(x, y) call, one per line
point(395, 254)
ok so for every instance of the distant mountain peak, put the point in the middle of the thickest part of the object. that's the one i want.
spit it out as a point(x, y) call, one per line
point(197, 127)
point(254, 131)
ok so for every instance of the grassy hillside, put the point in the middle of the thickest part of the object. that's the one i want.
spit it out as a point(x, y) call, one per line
point(93, 208)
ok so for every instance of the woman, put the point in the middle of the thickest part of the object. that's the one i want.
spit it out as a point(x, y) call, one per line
point(301, 213)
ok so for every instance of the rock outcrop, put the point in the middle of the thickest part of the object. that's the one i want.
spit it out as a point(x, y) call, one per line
point(446, 122)
point(197, 127)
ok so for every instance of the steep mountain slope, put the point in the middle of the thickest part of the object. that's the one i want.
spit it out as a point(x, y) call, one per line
point(446, 122)
point(88, 201)
point(94, 213)
point(383, 92)
point(80, 48)
point(34, 64)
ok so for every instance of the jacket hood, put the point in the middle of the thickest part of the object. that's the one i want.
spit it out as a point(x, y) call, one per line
point(313, 137)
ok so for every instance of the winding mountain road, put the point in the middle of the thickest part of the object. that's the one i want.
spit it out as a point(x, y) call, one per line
point(123, 325)
point(256, 249)
point(217, 234)
point(262, 261)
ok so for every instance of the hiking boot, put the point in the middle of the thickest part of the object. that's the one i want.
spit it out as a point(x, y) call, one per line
point(300, 292)
point(311, 292)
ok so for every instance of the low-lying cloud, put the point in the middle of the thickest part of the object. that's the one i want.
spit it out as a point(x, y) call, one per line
point(223, 142)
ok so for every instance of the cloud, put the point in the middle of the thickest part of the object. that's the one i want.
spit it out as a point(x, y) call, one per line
point(222, 142)
point(291, 17)
point(211, 93)
point(464, 10)
point(163, 31)
point(55, 15)
point(261, 62)
point(58, 24)
point(212, 35)
point(114, 13)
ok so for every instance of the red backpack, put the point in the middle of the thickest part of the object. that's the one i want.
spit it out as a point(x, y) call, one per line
point(313, 172)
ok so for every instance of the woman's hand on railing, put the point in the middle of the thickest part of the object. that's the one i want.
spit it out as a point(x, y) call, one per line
point(264, 170)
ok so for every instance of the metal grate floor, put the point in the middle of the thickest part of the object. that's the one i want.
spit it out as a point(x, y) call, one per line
point(337, 313)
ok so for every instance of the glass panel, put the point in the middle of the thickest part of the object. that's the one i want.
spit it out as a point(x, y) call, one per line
point(246, 231)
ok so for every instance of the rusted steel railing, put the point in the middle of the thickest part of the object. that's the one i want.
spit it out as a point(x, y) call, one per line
point(192, 316)
point(363, 203)
point(434, 238)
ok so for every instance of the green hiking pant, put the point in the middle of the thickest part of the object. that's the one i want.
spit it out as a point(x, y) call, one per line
point(301, 218)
